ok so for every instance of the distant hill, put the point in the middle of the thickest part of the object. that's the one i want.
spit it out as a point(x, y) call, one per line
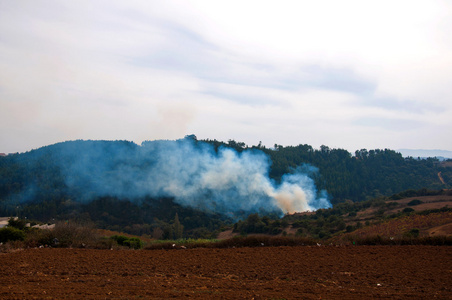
point(423, 153)
point(122, 186)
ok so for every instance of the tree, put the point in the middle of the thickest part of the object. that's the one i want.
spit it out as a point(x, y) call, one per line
point(178, 228)
point(157, 233)
point(17, 223)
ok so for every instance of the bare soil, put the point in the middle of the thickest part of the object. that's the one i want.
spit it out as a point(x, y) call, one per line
point(429, 202)
point(445, 229)
point(307, 272)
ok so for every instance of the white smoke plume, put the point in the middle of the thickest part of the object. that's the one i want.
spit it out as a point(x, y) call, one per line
point(193, 173)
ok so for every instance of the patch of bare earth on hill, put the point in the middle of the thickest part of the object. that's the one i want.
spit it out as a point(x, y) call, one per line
point(429, 202)
point(426, 199)
point(445, 230)
point(353, 272)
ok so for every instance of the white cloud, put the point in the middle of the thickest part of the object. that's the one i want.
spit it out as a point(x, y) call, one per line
point(288, 72)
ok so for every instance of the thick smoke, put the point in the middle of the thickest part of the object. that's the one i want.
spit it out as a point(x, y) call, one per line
point(193, 173)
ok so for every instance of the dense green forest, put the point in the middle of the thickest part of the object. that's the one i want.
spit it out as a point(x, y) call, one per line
point(34, 185)
point(364, 175)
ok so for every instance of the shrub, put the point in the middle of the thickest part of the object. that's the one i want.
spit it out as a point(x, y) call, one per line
point(323, 235)
point(12, 245)
point(407, 210)
point(414, 202)
point(133, 242)
point(67, 234)
point(396, 197)
point(17, 223)
point(11, 234)
point(414, 232)
point(350, 228)
point(120, 239)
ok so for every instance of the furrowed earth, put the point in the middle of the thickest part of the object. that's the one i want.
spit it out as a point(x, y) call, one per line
point(306, 272)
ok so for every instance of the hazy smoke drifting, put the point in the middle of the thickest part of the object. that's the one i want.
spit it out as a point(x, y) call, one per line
point(225, 182)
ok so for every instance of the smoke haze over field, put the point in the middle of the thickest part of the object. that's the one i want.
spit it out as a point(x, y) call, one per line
point(193, 173)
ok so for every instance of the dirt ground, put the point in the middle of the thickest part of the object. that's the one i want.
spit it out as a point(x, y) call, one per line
point(307, 272)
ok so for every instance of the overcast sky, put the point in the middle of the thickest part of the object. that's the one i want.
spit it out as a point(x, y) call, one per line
point(346, 74)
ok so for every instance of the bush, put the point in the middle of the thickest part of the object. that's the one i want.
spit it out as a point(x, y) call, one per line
point(67, 234)
point(414, 232)
point(414, 202)
point(120, 239)
point(11, 234)
point(407, 210)
point(323, 235)
point(17, 223)
point(133, 242)
point(350, 228)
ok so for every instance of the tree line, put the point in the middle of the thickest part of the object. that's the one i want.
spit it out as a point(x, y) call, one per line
point(361, 176)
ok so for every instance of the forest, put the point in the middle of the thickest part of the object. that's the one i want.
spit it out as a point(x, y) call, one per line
point(364, 175)
point(33, 185)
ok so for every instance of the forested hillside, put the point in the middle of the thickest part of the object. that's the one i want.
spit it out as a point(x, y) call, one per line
point(364, 175)
point(107, 186)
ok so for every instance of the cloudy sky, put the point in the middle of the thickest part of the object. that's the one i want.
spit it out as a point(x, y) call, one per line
point(346, 74)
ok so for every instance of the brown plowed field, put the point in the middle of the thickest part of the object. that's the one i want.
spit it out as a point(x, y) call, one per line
point(307, 272)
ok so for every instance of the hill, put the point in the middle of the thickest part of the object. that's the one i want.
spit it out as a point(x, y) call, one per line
point(209, 184)
point(363, 175)
point(411, 214)
point(440, 154)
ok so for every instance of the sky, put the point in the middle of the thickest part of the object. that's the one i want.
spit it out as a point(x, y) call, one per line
point(346, 74)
